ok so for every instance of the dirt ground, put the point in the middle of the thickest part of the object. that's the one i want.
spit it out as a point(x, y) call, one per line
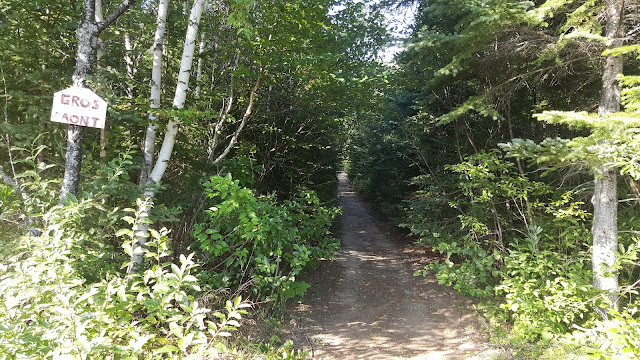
point(368, 305)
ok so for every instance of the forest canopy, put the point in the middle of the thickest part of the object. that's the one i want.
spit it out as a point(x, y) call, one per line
point(504, 137)
point(507, 143)
point(211, 187)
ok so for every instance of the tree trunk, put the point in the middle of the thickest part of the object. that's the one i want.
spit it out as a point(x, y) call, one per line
point(131, 65)
point(180, 95)
point(605, 230)
point(87, 35)
point(172, 129)
point(101, 51)
point(605, 197)
point(156, 91)
point(610, 95)
point(104, 142)
point(199, 69)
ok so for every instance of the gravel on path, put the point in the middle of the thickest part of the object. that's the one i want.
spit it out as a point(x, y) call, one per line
point(367, 304)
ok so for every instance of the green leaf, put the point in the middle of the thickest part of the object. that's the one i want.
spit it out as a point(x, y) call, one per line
point(123, 232)
point(166, 349)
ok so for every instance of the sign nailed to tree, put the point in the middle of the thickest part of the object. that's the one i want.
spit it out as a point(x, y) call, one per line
point(79, 106)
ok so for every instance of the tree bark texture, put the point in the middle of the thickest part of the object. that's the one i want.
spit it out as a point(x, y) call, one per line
point(605, 196)
point(164, 154)
point(156, 91)
point(87, 35)
point(131, 65)
point(605, 228)
point(181, 93)
point(243, 122)
point(610, 95)
point(201, 48)
point(101, 52)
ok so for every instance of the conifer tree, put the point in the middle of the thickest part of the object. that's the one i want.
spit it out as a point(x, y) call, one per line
point(605, 196)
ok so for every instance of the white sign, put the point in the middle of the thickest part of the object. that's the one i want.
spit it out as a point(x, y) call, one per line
point(79, 106)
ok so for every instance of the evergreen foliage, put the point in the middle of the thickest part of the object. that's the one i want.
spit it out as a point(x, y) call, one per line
point(481, 140)
point(293, 72)
point(512, 226)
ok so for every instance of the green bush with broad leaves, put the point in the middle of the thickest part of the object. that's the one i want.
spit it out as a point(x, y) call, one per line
point(512, 237)
point(257, 240)
point(48, 310)
point(492, 204)
point(616, 338)
point(546, 291)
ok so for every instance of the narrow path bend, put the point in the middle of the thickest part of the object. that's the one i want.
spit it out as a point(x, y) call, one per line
point(368, 305)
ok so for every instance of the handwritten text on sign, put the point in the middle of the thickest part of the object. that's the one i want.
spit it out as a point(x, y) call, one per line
point(79, 106)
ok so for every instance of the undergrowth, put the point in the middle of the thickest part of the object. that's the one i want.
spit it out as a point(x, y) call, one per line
point(71, 293)
point(523, 248)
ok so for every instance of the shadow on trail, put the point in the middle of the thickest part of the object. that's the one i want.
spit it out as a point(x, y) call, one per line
point(368, 305)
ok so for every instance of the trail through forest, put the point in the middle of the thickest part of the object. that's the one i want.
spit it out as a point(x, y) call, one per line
point(368, 305)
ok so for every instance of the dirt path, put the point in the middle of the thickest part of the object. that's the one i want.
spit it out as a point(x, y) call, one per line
point(368, 305)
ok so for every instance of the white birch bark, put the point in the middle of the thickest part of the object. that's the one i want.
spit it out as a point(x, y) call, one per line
point(99, 55)
point(605, 196)
point(180, 95)
point(156, 91)
point(243, 122)
point(200, 63)
point(166, 150)
point(223, 114)
point(131, 64)
point(99, 15)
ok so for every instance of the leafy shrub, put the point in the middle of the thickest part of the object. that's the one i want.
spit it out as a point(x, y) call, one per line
point(22, 205)
point(546, 291)
point(473, 276)
point(48, 311)
point(272, 350)
point(108, 186)
point(617, 338)
point(255, 239)
point(493, 204)
point(543, 279)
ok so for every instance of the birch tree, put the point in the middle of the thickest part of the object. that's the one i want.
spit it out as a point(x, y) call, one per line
point(156, 90)
point(87, 36)
point(164, 155)
point(153, 172)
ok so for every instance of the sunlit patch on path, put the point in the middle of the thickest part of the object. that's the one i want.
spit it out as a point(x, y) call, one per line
point(368, 305)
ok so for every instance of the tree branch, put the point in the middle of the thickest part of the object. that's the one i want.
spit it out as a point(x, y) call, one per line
point(126, 4)
point(224, 113)
point(246, 116)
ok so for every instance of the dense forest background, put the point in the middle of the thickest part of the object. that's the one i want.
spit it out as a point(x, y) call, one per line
point(502, 144)
point(504, 136)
